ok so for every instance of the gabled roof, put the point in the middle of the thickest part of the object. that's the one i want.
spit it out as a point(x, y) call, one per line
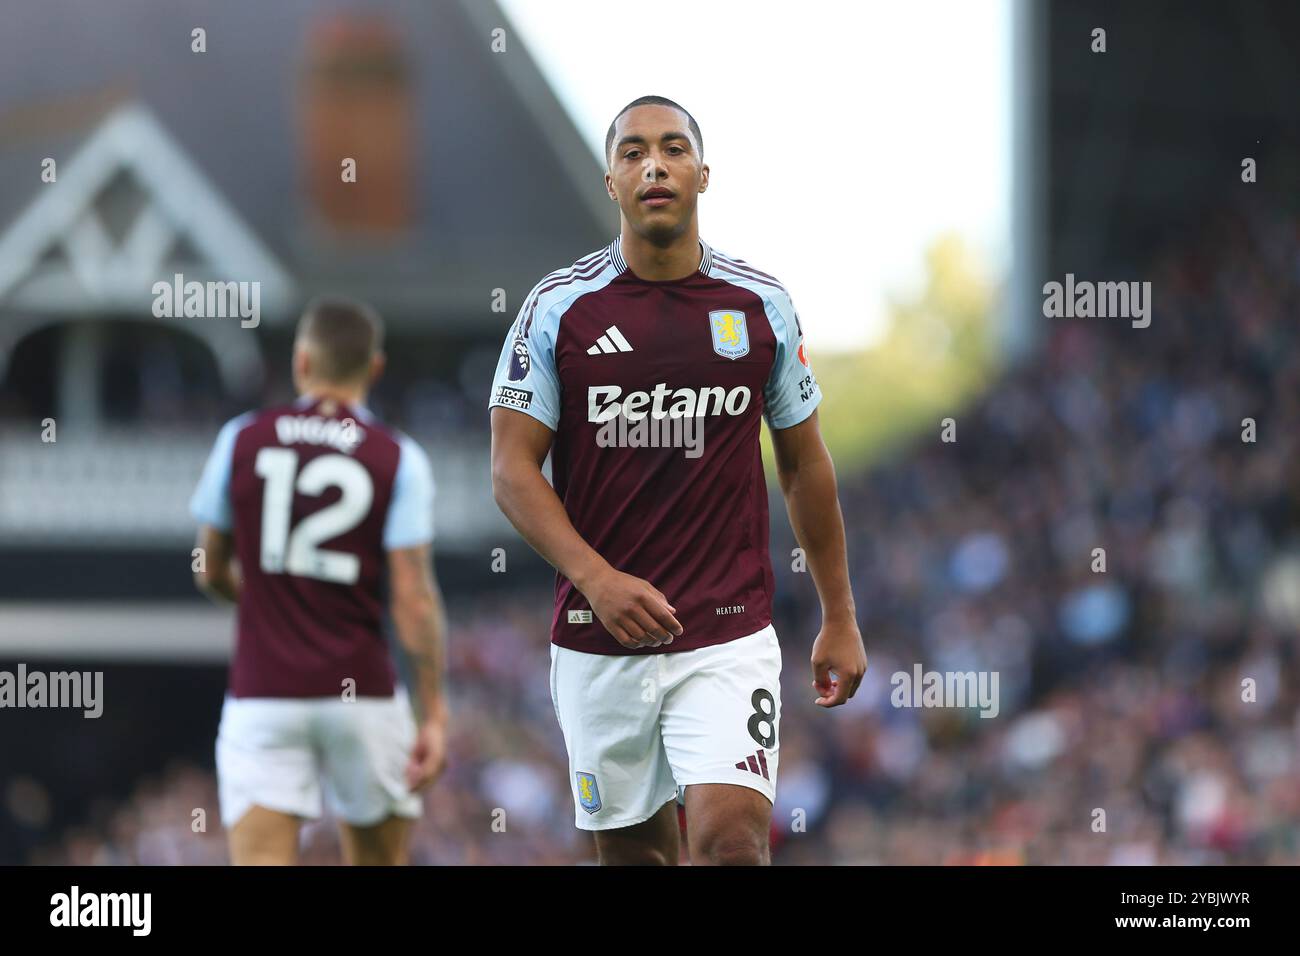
point(504, 191)
point(127, 210)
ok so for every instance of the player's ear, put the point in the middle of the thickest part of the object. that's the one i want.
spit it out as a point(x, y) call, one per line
point(704, 177)
point(301, 363)
point(609, 187)
point(378, 361)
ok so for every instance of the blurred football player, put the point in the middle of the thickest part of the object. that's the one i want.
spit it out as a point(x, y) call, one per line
point(304, 510)
point(643, 370)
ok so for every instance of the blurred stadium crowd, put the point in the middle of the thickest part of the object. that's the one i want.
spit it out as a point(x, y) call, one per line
point(1121, 692)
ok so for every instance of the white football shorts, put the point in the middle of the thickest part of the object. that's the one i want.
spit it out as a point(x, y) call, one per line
point(296, 755)
point(639, 726)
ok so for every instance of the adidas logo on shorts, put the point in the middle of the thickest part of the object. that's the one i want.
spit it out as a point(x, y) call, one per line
point(755, 762)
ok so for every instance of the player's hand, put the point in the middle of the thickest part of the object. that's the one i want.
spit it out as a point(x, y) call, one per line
point(428, 756)
point(632, 609)
point(839, 661)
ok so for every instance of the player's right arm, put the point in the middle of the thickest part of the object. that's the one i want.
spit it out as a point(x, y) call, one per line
point(526, 396)
point(633, 610)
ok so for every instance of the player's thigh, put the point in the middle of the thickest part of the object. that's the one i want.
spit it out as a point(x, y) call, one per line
point(653, 842)
point(728, 825)
point(264, 837)
point(608, 709)
point(383, 844)
point(364, 747)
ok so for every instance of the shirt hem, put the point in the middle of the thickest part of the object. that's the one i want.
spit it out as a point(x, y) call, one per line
point(618, 650)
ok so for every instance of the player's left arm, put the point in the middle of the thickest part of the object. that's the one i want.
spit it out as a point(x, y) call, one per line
point(807, 477)
point(216, 570)
point(417, 608)
point(421, 624)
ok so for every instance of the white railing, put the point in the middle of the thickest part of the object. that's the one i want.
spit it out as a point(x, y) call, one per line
point(131, 488)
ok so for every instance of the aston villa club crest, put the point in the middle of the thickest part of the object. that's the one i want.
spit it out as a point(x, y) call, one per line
point(588, 792)
point(730, 333)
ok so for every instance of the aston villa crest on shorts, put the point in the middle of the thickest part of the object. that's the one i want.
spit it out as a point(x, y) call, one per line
point(730, 333)
point(588, 792)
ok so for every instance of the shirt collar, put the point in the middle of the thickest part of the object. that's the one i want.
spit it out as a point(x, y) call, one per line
point(306, 401)
point(616, 255)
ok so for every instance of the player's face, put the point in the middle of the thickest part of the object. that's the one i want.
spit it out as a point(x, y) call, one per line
point(655, 171)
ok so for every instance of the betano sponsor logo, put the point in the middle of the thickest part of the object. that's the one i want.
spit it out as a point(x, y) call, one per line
point(604, 403)
point(661, 417)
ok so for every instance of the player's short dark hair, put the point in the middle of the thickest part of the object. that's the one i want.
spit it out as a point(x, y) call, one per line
point(345, 335)
point(656, 101)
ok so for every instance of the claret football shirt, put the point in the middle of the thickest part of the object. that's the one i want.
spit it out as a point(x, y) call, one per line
point(315, 494)
point(655, 391)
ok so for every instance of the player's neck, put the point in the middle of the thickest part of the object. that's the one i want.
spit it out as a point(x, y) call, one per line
point(352, 397)
point(655, 263)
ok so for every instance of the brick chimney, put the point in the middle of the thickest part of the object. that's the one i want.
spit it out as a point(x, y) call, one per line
point(356, 103)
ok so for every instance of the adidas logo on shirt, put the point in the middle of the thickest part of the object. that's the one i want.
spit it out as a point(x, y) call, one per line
point(611, 341)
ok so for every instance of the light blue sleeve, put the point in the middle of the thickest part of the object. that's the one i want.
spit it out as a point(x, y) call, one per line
point(410, 510)
point(792, 392)
point(210, 503)
point(526, 377)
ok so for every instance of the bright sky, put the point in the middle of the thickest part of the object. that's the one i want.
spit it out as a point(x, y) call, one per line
point(842, 137)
